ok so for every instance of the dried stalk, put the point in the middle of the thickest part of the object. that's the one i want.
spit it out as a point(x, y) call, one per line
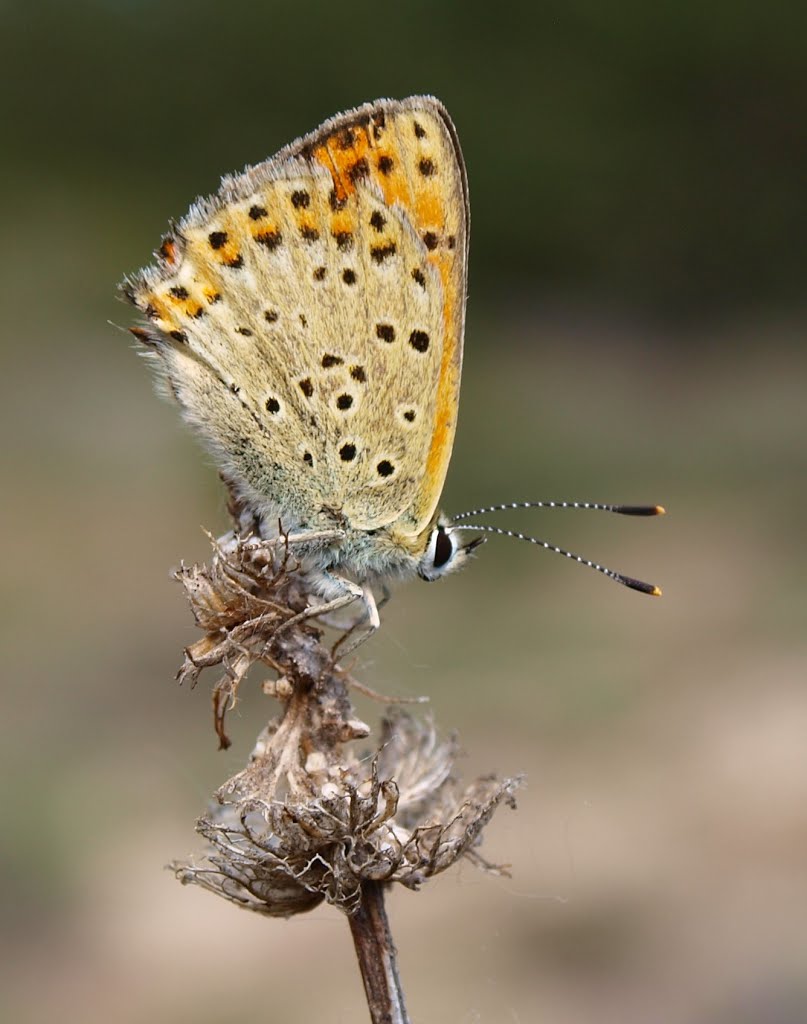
point(378, 958)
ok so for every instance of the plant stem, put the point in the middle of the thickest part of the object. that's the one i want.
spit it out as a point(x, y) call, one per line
point(377, 957)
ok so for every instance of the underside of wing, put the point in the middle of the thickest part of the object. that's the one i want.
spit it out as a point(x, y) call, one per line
point(309, 317)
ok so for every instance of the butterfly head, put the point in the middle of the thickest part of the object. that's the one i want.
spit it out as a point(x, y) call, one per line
point(444, 551)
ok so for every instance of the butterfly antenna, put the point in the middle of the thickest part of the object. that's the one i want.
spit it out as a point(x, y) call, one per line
point(627, 581)
point(623, 510)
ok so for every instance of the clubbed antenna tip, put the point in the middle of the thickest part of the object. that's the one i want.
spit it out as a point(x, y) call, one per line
point(643, 588)
point(640, 510)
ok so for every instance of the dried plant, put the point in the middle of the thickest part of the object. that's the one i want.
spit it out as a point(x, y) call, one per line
point(310, 819)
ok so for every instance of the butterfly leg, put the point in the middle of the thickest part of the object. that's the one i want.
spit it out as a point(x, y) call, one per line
point(312, 536)
point(288, 541)
point(350, 592)
point(370, 622)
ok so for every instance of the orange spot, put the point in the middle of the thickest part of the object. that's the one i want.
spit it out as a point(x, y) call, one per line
point(156, 309)
point(343, 221)
point(155, 306)
point(429, 211)
point(189, 306)
point(228, 253)
point(393, 184)
point(345, 165)
point(168, 250)
point(265, 228)
point(396, 190)
point(323, 157)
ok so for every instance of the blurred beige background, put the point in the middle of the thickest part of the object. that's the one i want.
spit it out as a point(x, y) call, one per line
point(635, 332)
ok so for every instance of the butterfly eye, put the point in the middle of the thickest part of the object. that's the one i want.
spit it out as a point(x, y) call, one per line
point(443, 548)
point(441, 554)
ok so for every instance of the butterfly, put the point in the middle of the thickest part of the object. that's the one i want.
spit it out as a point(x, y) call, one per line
point(308, 319)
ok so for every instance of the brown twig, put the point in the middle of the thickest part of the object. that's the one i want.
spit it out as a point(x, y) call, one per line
point(378, 957)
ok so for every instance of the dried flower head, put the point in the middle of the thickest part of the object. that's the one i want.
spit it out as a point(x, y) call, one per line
point(309, 819)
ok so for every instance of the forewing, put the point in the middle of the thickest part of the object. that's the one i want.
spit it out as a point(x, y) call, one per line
point(309, 317)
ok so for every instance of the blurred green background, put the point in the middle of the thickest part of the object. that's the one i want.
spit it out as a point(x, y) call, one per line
point(635, 332)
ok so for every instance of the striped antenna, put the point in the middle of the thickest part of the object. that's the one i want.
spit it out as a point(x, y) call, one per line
point(624, 510)
point(627, 581)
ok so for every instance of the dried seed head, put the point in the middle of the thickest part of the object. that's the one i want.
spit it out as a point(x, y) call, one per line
point(285, 837)
point(308, 819)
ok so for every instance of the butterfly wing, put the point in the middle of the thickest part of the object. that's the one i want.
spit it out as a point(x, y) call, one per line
point(309, 317)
